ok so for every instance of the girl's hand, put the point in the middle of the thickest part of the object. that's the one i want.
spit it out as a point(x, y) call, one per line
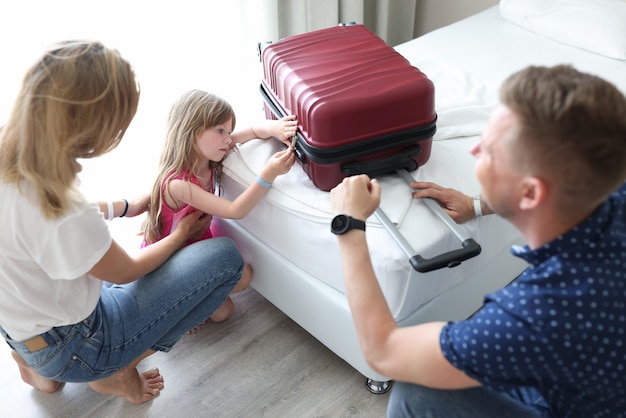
point(278, 164)
point(283, 129)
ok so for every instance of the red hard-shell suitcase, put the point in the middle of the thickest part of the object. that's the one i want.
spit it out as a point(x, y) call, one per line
point(361, 106)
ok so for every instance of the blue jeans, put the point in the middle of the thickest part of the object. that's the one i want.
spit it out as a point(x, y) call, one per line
point(408, 400)
point(153, 312)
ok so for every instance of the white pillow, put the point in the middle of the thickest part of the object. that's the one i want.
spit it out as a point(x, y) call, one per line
point(595, 25)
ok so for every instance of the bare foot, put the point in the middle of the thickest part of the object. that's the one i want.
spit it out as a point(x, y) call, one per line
point(225, 311)
point(227, 308)
point(196, 328)
point(30, 376)
point(129, 384)
point(244, 281)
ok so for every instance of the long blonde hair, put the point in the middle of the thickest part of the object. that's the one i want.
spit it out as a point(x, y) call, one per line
point(75, 102)
point(193, 113)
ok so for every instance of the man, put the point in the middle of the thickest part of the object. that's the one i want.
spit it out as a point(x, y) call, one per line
point(553, 343)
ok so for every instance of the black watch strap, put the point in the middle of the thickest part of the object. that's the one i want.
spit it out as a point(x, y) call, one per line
point(344, 223)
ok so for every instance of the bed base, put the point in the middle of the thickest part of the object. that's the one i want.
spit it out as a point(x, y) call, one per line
point(324, 312)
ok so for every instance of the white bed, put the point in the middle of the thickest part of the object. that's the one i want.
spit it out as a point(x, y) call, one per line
point(287, 236)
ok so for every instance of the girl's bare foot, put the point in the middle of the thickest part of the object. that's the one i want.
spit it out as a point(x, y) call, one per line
point(244, 281)
point(196, 328)
point(227, 308)
point(30, 376)
point(225, 311)
point(129, 384)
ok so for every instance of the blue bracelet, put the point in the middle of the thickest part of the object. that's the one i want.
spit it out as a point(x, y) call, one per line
point(263, 183)
point(125, 208)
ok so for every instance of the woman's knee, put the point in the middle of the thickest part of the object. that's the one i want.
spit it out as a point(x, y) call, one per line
point(219, 253)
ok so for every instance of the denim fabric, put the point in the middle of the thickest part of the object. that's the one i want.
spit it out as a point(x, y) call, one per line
point(150, 313)
point(408, 400)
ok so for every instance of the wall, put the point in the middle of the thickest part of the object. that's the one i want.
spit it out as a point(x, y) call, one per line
point(433, 14)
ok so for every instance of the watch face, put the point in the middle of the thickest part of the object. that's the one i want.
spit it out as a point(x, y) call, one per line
point(340, 223)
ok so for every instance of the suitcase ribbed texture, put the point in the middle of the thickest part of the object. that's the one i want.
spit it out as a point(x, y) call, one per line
point(353, 95)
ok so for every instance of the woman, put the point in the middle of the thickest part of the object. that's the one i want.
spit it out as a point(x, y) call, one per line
point(55, 250)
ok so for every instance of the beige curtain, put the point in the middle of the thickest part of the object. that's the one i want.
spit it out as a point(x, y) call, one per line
point(270, 20)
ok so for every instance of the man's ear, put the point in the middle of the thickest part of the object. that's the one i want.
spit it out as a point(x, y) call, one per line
point(534, 192)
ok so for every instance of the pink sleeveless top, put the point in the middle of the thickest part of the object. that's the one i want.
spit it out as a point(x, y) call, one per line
point(171, 217)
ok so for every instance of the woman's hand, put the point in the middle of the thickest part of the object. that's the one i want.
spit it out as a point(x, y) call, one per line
point(192, 226)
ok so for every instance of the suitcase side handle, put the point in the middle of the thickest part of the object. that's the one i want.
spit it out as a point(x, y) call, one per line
point(402, 160)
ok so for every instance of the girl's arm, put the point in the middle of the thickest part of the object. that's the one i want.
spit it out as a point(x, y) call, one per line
point(207, 202)
point(283, 129)
point(117, 266)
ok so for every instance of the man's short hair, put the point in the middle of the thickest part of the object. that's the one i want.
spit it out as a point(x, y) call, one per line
point(572, 130)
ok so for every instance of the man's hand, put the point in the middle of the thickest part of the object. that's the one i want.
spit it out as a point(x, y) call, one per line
point(356, 196)
point(459, 206)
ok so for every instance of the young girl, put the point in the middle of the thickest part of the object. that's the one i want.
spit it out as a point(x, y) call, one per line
point(199, 134)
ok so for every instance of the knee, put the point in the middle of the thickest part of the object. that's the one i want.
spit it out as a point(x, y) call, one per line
point(409, 400)
point(228, 249)
point(397, 406)
point(224, 312)
point(220, 252)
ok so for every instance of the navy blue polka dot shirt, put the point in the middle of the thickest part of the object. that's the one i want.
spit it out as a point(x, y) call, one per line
point(561, 326)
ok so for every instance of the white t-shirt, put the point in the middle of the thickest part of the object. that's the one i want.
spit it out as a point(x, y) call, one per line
point(44, 264)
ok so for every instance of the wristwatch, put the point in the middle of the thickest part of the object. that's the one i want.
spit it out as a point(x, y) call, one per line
point(344, 223)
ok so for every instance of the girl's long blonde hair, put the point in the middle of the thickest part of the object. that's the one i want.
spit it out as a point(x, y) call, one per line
point(193, 113)
point(75, 102)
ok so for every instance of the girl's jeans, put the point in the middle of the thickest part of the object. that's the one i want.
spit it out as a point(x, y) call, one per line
point(150, 313)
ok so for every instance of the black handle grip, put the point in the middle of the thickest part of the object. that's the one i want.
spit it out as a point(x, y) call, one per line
point(387, 165)
point(450, 259)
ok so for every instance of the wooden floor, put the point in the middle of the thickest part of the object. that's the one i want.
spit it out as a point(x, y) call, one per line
point(259, 363)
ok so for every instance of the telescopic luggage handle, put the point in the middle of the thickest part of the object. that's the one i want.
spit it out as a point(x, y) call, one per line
point(470, 248)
